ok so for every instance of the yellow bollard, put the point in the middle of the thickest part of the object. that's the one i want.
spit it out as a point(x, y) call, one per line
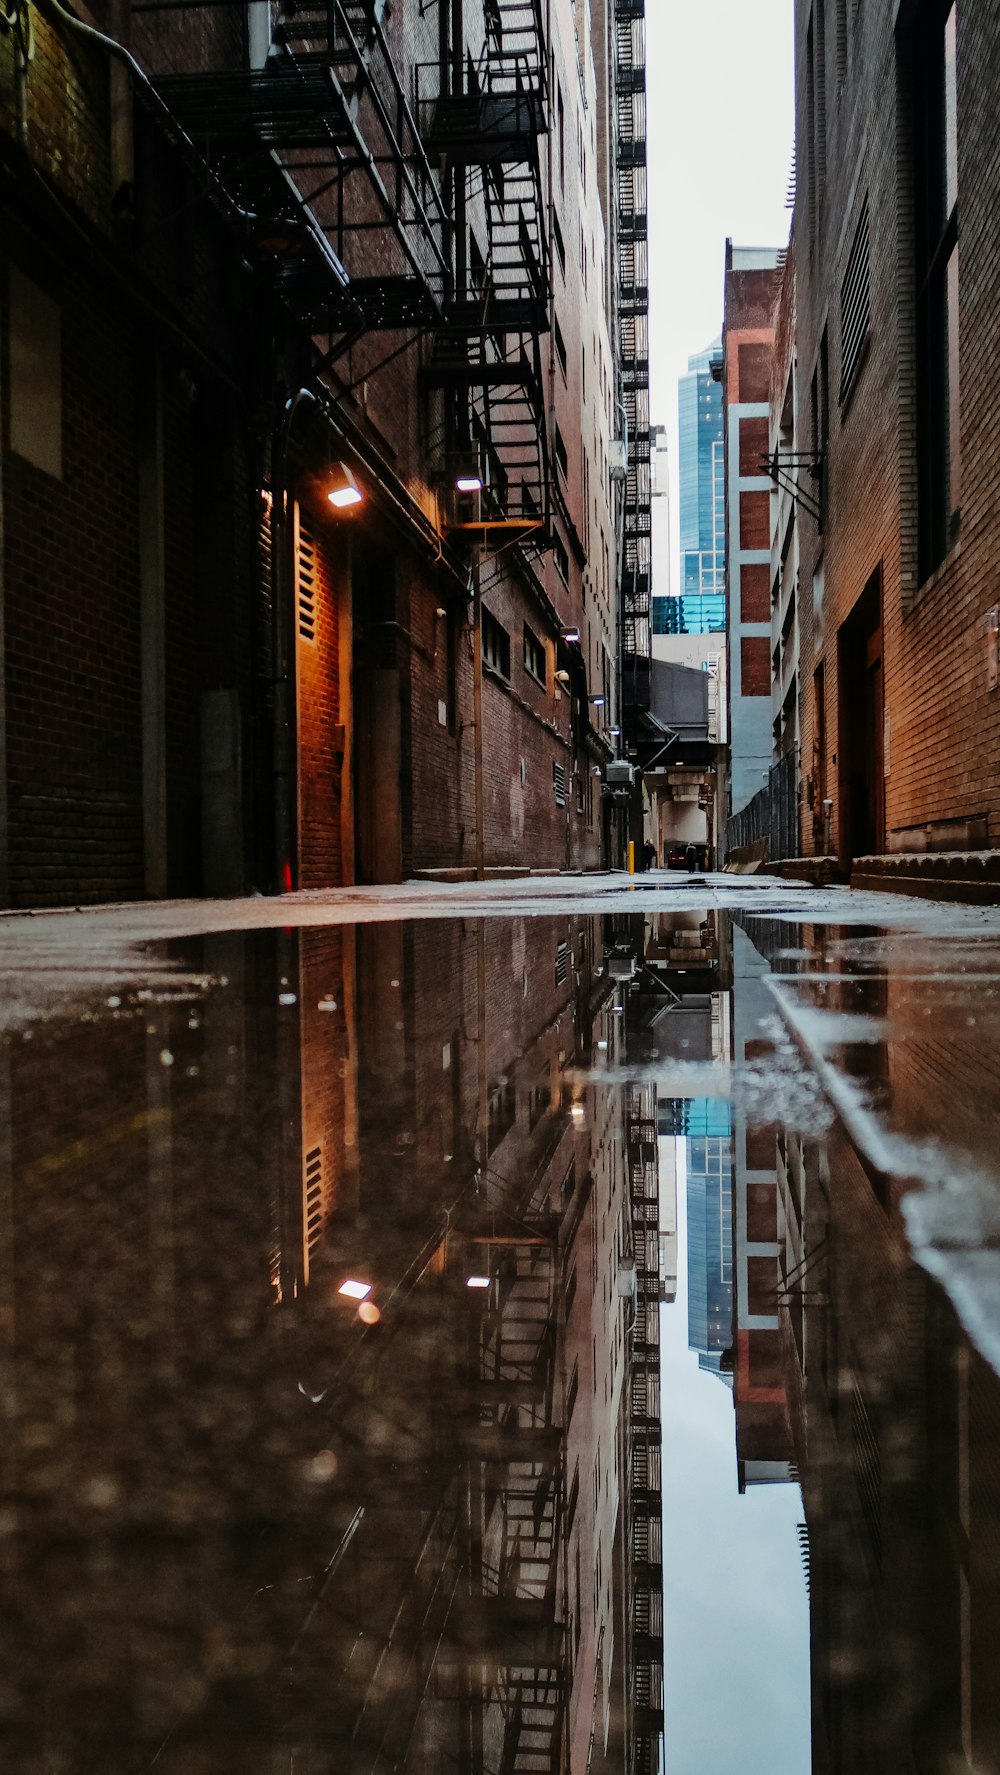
point(631, 856)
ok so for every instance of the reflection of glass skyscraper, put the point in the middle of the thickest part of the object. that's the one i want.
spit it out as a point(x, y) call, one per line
point(701, 604)
point(710, 1232)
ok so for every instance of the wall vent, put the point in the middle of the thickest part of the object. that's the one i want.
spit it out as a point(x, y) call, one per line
point(855, 303)
point(306, 582)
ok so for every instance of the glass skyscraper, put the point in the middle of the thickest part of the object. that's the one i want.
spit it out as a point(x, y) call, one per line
point(710, 1235)
point(700, 606)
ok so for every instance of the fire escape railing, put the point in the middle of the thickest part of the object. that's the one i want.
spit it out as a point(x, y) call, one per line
point(319, 147)
point(644, 1503)
point(489, 421)
point(520, 1480)
point(633, 324)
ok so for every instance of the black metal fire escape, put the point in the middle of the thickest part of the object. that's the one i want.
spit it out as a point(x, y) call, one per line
point(320, 149)
point(633, 338)
point(489, 422)
point(517, 1474)
point(643, 1469)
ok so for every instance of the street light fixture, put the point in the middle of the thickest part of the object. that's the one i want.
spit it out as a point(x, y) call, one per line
point(571, 634)
point(598, 701)
point(469, 483)
point(344, 490)
point(355, 1290)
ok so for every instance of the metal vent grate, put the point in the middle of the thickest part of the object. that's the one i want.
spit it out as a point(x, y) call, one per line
point(855, 303)
point(559, 784)
point(306, 583)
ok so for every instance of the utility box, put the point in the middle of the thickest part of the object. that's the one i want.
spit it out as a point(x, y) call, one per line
point(619, 774)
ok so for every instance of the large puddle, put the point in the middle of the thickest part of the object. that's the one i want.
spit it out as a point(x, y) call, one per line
point(504, 1345)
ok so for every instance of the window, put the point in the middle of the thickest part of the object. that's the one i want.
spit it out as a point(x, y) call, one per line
point(936, 256)
point(841, 45)
point(855, 306)
point(560, 557)
point(559, 243)
point(496, 646)
point(560, 344)
point(559, 445)
point(534, 657)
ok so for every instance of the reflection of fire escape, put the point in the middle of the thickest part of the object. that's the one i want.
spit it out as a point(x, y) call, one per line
point(644, 1486)
point(487, 366)
point(319, 148)
point(521, 1487)
point(633, 321)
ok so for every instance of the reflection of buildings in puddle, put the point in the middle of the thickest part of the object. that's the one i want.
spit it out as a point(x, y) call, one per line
point(418, 1540)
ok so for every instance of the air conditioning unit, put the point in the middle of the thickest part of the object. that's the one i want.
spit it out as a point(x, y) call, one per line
point(619, 774)
point(617, 459)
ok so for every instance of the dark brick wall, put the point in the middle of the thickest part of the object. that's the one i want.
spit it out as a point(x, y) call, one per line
point(943, 721)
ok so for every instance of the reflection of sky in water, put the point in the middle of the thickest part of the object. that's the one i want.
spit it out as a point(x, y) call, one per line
point(736, 1617)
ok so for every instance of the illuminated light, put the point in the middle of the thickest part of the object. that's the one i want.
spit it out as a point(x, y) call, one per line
point(368, 1313)
point(571, 634)
point(603, 1046)
point(355, 1290)
point(469, 483)
point(577, 1111)
point(344, 490)
point(614, 732)
point(598, 701)
point(286, 876)
point(477, 1281)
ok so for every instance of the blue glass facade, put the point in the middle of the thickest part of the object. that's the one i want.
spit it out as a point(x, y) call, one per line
point(700, 605)
point(710, 1232)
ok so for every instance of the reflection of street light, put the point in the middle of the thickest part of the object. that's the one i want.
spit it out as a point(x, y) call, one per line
point(344, 490)
point(355, 1290)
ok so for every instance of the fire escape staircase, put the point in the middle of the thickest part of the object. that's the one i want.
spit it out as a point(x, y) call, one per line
point(643, 1467)
point(633, 324)
point(320, 149)
point(486, 127)
point(523, 1515)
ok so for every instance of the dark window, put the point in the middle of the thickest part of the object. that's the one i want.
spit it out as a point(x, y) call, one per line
point(496, 645)
point(560, 557)
point(562, 459)
point(501, 1111)
point(855, 306)
point(559, 243)
point(534, 656)
point(936, 256)
point(560, 344)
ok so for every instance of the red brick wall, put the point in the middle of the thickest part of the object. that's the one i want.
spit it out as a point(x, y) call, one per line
point(755, 665)
point(753, 441)
point(755, 592)
point(754, 372)
point(755, 521)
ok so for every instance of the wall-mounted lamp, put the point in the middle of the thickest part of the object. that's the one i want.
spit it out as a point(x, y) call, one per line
point(469, 483)
point(562, 677)
point(571, 634)
point(343, 490)
point(614, 732)
point(598, 701)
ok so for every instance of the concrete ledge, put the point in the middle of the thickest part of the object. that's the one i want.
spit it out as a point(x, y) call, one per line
point(934, 875)
point(818, 871)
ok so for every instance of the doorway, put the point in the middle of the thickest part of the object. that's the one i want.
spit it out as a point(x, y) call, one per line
point(861, 706)
point(378, 725)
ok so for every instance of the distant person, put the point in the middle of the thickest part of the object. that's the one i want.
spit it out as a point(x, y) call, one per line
point(691, 858)
point(649, 855)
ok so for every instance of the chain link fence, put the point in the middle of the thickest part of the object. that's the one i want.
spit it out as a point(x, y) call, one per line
point(772, 815)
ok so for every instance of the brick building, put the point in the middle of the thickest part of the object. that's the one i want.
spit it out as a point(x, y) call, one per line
point(747, 344)
point(258, 265)
point(896, 344)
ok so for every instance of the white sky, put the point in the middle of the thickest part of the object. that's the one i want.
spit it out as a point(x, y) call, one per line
point(735, 1609)
point(720, 132)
